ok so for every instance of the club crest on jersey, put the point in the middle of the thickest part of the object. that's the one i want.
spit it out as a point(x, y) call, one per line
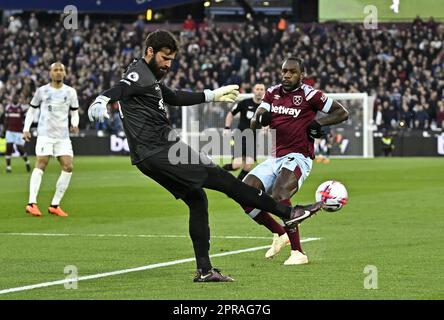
point(297, 100)
point(133, 76)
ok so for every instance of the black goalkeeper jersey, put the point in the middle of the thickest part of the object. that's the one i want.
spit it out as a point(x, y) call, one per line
point(246, 108)
point(142, 108)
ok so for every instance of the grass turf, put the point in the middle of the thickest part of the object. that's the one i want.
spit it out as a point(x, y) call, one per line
point(393, 221)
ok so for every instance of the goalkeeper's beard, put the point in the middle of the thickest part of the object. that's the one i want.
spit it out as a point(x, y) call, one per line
point(156, 70)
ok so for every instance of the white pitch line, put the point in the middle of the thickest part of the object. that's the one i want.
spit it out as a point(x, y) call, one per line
point(147, 267)
point(34, 234)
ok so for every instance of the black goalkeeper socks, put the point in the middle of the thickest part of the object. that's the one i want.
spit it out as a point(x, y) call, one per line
point(199, 228)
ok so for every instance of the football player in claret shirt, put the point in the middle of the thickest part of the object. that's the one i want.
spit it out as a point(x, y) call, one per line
point(161, 155)
point(14, 120)
point(290, 108)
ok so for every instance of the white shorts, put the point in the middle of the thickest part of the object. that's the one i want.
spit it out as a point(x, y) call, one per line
point(268, 170)
point(15, 138)
point(53, 147)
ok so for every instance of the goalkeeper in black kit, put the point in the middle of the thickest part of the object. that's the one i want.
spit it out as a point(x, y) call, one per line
point(160, 154)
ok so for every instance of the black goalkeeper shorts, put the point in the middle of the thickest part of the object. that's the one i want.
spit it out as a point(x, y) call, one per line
point(179, 172)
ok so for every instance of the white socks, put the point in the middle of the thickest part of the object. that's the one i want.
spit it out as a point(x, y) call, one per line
point(34, 184)
point(61, 186)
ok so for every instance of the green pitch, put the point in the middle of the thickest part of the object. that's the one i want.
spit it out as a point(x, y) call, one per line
point(120, 220)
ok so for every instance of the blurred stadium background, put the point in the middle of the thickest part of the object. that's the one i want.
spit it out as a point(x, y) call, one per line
point(399, 66)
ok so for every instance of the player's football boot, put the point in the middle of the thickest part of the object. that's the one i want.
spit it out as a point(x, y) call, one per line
point(33, 210)
point(278, 243)
point(300, 213)
point(28, 167)
point(8, 170)
point(57, 211)
point(214, 275)
point(296, 257)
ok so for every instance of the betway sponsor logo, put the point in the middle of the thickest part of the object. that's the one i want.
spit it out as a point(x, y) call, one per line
point(284, 110)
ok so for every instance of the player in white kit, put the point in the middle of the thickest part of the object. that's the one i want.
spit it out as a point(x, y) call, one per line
point(56, 101)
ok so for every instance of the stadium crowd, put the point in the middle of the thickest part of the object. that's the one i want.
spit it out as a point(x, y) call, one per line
point(402, 64)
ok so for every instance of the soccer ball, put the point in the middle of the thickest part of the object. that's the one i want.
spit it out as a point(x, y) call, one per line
point(333, 194)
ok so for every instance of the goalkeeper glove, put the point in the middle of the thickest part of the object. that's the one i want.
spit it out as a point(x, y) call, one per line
point(222, 94)
point(97, 110)
point(264, 118)
point(314, 130)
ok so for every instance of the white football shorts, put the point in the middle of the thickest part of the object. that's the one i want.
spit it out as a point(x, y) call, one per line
point(15, 138)
point(53, 147)
point(268, 170)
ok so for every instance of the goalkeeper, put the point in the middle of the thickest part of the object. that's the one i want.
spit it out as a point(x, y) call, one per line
point(160, 154)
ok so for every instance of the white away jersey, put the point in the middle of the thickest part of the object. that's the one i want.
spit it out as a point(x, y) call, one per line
point(54, 105)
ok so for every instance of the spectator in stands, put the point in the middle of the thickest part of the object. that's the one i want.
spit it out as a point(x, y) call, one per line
point(407, 116)
point(421, 118)
point(440, 114)
point(86, 22)
point(189, 25)
point(389, 115)
point(282, 23)
point(15, 24)
point(378, 117)
point(114, 122)
point(339, 57)
point(33, 23)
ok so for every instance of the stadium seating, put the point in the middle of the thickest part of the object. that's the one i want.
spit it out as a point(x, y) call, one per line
point(401, 64)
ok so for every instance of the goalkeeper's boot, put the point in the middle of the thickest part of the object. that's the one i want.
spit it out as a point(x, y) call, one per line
point(33, 210)
point(296, 257)
point(213, 275)
point(57, 211)
point(300, 213)
point(278, 243)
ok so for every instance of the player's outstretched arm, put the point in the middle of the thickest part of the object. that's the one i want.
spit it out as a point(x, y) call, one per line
point(184, 98)
point(223, 94)
point(335, 115)
point(98, 111)
point(181, 98)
